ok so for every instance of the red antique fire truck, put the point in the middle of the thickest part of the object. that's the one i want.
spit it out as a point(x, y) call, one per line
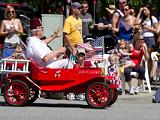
point(25, 80)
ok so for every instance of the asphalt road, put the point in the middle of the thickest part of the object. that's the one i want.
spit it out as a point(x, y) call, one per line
point(128, 107)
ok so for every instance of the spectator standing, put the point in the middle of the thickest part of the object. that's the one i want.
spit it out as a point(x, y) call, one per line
point(105, 22)
point(156, 69)
point(11, 28)
point(158, 32)
point(105, 28)
point(149, 25)
point(72, 29)
point(132, 12)
point(87, 21)
point(126, 25)
point(117, 15)
point(39, 52)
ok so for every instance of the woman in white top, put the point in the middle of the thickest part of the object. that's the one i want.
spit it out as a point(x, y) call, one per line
point(11, 28)
point(149, 25)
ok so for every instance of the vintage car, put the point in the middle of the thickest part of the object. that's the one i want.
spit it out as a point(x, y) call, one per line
point(25, 81)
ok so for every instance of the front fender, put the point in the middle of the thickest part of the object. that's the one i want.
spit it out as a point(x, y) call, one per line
point(21, 77)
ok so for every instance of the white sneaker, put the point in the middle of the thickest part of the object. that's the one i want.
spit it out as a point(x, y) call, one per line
point(136, 90)
point(81, 96)
point(71, 96)
point(131, 91)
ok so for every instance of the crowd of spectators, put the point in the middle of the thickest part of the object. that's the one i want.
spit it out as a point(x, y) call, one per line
point(136, 36)
point(138, 30)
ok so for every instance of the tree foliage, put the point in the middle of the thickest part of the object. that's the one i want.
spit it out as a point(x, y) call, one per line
point(135, 3)
point(138, 3)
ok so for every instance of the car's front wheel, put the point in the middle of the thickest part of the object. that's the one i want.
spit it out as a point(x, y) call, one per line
point(98, 95)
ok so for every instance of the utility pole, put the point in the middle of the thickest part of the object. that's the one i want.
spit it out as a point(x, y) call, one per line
point(68, 7)
point(94, 14)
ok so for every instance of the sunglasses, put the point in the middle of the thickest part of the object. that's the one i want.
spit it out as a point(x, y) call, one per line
point(140, 40)
point(125, 9)
point(124, 2)
point(84, 6)
point(10, 11)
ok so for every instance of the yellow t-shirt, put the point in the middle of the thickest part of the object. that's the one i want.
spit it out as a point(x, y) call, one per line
point(73, 27)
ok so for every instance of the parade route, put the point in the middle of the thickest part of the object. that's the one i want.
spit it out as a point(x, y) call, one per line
point(127, 107)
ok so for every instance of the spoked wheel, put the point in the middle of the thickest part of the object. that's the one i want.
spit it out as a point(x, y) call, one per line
point(98, 95)
point(16, 93)
point(33, 94)
point(114, 96)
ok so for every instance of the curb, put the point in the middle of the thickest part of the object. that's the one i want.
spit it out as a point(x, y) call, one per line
point(139, 95)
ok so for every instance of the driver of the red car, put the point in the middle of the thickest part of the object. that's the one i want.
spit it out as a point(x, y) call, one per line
point(39, 52)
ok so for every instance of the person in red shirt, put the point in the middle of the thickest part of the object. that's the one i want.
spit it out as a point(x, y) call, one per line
point(136, 56)
point(140, 50)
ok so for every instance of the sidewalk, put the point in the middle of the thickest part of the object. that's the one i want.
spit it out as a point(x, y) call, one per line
point(141, 94)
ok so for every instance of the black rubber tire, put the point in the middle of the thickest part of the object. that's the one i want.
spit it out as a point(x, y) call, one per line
point(104, 99)
point(19, 91)
point(114, 96)
point(33, 95)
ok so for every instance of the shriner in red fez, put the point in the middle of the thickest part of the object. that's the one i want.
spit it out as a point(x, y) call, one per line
point(35, 24)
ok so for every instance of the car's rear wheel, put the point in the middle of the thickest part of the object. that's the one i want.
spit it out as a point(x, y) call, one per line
point(98, 95)
point(16, 93)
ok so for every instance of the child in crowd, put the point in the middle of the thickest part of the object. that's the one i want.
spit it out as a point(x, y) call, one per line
point(81, 56)
point(124, 53)
point(18, 53)
point(113, 70)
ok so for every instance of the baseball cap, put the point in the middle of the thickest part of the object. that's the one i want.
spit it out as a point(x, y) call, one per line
point(75, 5)
point(81, 51)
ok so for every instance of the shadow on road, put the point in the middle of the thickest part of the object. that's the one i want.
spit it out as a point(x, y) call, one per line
point(4, 104)
point(65, 105)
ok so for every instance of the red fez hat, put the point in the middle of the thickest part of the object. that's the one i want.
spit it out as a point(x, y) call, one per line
point(35, 24)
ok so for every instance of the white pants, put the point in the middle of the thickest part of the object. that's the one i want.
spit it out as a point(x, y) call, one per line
point(63, 63)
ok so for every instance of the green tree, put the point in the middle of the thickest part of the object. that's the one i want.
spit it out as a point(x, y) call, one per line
point(136, 3)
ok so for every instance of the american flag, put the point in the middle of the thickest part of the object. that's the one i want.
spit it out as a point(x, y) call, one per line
point(94, 49)
point(95, 58)
point(98, 48)
point(98, 42)
point(86, 46)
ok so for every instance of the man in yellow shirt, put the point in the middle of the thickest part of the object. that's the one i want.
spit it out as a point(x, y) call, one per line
point(73, 28)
